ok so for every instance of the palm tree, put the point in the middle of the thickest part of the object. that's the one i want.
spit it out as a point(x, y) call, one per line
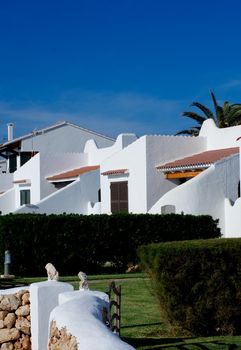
point(223, 116)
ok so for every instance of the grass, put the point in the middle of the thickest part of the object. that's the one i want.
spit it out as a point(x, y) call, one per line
point(141, 325)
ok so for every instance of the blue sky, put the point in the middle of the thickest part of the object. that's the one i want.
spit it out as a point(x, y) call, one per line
point(116, 65)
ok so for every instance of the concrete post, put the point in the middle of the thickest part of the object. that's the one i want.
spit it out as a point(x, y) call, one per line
point(43, 299)
point(7, 263)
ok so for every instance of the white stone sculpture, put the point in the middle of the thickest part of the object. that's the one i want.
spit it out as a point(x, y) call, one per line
point(83, 281)
point(52, 273)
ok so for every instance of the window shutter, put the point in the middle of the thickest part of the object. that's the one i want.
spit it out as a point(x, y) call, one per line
point(119, 196)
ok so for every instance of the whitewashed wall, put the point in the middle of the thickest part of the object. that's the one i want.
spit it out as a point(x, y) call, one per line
point(43, 299)
point(73, 198)
point(232, 218)
point(29, 171)
point(233, 210)
point(206, 193)
point(96, 155)
point(6, 181)
point(162, 149)
point(133, 158)
point(55, 163)
point(80, 316)
point(7, 201)
point(220, 138)
point(145, 184)
point(64, 138)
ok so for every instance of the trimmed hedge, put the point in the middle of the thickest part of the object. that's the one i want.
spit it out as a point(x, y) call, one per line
point(198, 284)
point(80, 242)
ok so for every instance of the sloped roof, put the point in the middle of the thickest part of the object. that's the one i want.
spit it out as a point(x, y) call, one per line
point(51, 127)
point(115, 172)
point(199, 160)
point(72, 173)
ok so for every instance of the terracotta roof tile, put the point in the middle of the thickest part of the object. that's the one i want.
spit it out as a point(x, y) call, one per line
point(200, 160)
point(115, 172)
point(20, 181)
point(73, 173)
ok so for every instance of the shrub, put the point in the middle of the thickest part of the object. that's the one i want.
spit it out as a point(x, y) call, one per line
point(198, 284)
point(80, 242)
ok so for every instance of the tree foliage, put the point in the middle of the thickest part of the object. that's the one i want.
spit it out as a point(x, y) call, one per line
point(223, 116)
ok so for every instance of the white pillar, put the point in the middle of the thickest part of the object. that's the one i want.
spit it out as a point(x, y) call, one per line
point(43, 299)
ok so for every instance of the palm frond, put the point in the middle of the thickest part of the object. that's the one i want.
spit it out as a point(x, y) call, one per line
point(220, 117)
point(214, 100)
point(234, 117)
point(224, 116)
point(198, 118)
point(204, 109)
point(236, 105)
point(226, 107)
point(193, 131)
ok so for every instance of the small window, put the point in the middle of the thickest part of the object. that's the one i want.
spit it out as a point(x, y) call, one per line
point(24, 197)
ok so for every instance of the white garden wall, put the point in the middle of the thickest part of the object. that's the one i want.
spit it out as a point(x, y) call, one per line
point(219, 138)
point(49, 315)
point(232, 218)
point(43, 299)
point(78, 322)
point(205, 193)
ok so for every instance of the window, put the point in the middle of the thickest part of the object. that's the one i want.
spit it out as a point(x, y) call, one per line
point(24, 197)
point(119, 196)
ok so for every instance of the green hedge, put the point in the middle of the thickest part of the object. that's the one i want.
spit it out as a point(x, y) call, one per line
point(81, 242)
point(198, 284)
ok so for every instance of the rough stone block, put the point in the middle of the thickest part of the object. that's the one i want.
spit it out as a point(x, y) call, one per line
point(23, 310)
point(9, 303)
point(23, 325)
point(9, 320)
point(7, 335)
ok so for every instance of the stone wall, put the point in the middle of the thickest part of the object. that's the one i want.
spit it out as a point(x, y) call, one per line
point(15, 330)
point(61, 339)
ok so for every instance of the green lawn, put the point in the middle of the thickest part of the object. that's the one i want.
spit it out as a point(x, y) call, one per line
point(141, 324)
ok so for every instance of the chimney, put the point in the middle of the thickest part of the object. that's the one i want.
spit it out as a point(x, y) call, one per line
point(10, 131)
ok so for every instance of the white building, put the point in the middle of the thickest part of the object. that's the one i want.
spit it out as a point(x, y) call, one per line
point(175, 174)
point(65, 168)
point(49, 171)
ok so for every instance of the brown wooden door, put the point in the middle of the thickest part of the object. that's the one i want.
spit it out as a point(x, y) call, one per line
point(119, 196)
